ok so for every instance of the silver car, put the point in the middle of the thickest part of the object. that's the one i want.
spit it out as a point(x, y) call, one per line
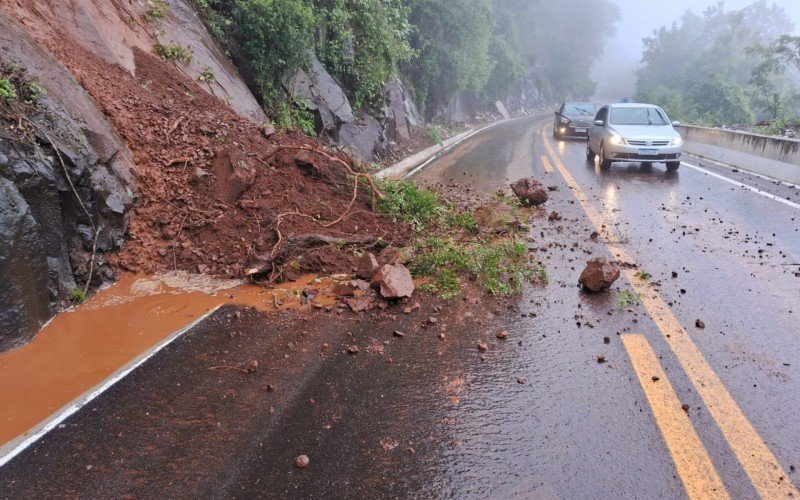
point(634, 132)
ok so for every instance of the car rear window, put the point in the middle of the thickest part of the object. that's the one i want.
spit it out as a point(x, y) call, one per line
point(637, 116)
point(579, 110)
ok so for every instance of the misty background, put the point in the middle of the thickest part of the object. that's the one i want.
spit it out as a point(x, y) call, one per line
point(615, 72)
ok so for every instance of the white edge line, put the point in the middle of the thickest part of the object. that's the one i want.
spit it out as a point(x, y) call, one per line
point(442, 152)
point(744, 171)
point(85, 399)
point(737, 183)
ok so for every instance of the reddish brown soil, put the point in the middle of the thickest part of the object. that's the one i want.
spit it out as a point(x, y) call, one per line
point(196, 214)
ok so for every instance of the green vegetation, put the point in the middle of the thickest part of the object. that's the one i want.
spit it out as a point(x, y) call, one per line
point(17, 88)
point(435, 133)
point(723, 67)
point(407, 202)
point(207, 76)
point(172, 52)
point(77, 295)
point(7, 90)
point(626, 298)
point(155, 10)
point(276, 35)
point(295, 116)
point(438, 47)
point(450, 244)
point(644, 275)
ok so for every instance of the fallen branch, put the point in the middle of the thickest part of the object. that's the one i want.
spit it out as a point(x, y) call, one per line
point(268, 264)
point(176, 161)
point(174, 126)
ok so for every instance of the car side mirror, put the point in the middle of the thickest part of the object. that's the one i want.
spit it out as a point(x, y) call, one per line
point(676, 124)
point(599, 123)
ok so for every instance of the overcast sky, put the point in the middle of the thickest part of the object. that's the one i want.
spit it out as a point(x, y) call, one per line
point(638, 19)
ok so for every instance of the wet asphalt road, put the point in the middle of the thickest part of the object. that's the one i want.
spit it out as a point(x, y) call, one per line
point(437, 421)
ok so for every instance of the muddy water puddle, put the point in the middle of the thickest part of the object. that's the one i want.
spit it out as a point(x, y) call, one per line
point(84, 346)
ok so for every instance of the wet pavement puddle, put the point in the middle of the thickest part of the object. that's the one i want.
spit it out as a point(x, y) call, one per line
point(84, 346)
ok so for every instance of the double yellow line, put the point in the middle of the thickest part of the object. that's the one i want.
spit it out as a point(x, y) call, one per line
point(690, 456)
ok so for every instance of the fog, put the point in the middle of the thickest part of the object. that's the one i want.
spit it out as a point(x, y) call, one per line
point(614, 73)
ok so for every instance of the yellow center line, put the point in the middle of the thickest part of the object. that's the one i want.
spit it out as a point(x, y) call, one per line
point(761, 466)
point(547, 166)
point(691, 459)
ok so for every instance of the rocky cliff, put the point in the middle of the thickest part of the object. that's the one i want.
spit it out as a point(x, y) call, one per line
point(120, 162)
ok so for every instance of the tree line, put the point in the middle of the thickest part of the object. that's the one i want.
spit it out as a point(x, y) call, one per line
point(438, 47)
point(724, 67)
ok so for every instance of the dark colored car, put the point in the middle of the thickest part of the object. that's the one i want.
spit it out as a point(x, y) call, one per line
point(574, 119)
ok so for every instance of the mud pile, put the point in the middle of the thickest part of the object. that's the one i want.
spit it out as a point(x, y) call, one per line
point(216, 194)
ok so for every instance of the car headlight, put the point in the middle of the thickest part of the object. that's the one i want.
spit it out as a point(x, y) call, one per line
point(677, 141)
point(617, 140)
point(564, 120)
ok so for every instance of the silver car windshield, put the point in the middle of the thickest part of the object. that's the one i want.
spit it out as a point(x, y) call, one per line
point(637, 116)
point(579, 109)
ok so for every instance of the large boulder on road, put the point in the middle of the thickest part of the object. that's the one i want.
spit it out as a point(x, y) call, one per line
point(394, 281)
point(530, 191)
point(599, 275)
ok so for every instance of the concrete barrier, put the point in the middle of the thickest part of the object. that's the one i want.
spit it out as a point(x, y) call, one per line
point(774, 157)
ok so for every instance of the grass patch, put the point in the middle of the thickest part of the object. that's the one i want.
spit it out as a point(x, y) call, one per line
point(77, 296)
point(405, 201)
point(627, 298)
point(452, 244)
point(435, 133)
point(172, 52)
point(644, 275)
point(156, 10)
point(7, 90)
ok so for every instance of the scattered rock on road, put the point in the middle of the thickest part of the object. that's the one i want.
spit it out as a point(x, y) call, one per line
point(353, 349)
point(358, 304)
point(599, 275)
point(302, 461)
point(699, 324)
point(367, 266)
point(502, 335)
point(530, 191)
point(482, 346)
point(394, 281)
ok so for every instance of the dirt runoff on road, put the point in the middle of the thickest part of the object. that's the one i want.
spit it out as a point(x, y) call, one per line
point(220, 195)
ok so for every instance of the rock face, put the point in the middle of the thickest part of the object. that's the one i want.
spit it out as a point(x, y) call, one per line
point(47, 236)
point(367, 266)
point(501, 108)
point(531, 191)
point(106, 29)
point(335, 118)
point(394, 281)
point(599, 275)
point(24, 277)
point(527, 95)
point(400, 113)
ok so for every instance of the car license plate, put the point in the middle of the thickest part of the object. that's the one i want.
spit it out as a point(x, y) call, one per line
point(648, 152)
point(581, 130)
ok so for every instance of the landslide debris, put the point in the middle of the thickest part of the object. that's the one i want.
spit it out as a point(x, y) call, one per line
point(530, 190)
point(217, 195)
point(598, 275)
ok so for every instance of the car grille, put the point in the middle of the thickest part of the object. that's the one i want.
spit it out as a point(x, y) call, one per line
point(652, 143)
point(638, 157)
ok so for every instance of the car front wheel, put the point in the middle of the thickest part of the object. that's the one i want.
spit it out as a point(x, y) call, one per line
point(673, 166)
point(590, 155)
point(605, 163)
